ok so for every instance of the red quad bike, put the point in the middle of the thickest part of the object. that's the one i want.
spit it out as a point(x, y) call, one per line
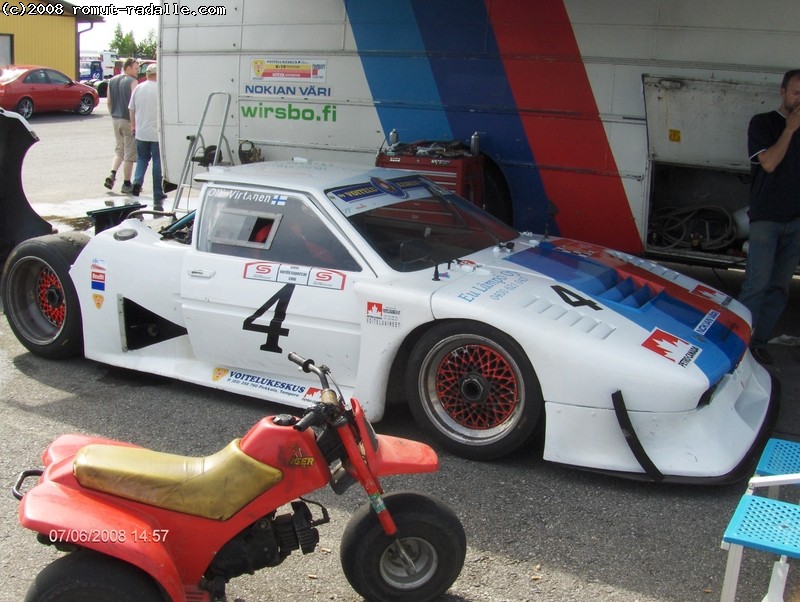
point(145, 526)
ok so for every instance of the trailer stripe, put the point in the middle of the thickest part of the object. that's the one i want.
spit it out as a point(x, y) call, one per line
point(477, 97)
point(515, 76)
point(388, 37)
point(564, 128)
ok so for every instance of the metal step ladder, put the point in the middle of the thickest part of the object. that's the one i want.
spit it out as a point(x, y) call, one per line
point(209, 155)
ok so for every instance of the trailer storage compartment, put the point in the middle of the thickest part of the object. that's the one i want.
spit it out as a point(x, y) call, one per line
point(699, 165)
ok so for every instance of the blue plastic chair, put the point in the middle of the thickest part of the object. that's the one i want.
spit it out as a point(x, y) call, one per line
point(779, 457)
point(764, 524)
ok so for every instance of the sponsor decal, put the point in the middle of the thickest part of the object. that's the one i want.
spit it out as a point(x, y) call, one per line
point(283, 69)
point(294, 274)
point(713, 294)
point(377, 187)
point(240, 195)
point(261, 383)
point(707, 322)
point(388, 187)
point(672, 347)
point(287, 90)
point(98, 274)
point(313, 394)
point(98, 300)
point(379, 314)
point(467, 264)
point(290, 112)
point(496, 287)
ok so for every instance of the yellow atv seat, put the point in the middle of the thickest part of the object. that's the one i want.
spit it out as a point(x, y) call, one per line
point(215, 486)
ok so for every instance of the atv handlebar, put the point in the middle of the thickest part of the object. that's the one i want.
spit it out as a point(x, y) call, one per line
point(310, 366)
point(316, 415)
point(328, 408)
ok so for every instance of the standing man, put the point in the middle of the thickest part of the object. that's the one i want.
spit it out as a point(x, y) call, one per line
point(120, 89)
point(774, 148)
point(144, 123)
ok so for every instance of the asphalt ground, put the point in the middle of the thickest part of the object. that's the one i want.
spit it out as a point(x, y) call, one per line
point(535, 531)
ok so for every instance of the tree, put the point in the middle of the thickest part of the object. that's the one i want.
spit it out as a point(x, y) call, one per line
point(125, 44)
point(148, 46)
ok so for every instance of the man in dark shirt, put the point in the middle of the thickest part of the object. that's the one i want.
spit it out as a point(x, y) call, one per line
point(774, 248)
point(120, 88)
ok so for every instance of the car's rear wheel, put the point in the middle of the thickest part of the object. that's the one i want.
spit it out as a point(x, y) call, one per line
point(473, 389)
point(25, 107)
point(39, 298)
point(86, 106)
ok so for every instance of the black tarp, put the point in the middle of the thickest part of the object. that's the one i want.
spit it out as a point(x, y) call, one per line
point(18, 220)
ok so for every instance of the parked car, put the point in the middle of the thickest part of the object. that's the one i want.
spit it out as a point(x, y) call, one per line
point(101, 85)
point(493, 336)
point(29, 89)
point(143, 65)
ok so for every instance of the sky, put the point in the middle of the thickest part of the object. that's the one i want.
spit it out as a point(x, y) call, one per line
point(99, 37)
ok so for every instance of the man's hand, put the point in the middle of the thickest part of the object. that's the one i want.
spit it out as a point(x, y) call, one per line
point(793, 119)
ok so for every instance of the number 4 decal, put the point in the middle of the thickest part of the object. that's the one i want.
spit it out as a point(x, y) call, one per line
point(574, 299)
point(275, 330)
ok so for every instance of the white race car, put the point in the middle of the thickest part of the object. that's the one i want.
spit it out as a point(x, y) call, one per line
point(406, 291)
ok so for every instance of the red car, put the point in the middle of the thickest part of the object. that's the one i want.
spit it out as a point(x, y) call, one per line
point(143, 65)
point(29, 88)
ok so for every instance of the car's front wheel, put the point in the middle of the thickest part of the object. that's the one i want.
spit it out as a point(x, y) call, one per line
point(86, 105)
point(473, 389)
point(25, 107)
point(39, 298)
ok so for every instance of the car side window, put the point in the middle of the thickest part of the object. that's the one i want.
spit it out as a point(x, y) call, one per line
point(267, 226)
point(36, 77)
point(57, 77)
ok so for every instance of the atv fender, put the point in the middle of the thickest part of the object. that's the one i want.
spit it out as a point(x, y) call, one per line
point(63, 514)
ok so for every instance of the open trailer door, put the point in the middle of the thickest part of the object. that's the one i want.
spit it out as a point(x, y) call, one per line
point(700, 171)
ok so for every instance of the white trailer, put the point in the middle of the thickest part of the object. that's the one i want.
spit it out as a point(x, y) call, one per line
point(621, 123)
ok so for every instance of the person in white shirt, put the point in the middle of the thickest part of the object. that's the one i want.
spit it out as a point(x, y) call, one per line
point(144, 111)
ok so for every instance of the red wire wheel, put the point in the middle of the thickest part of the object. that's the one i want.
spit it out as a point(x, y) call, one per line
point(472, 387)
point(477, 386)
point(39, 297)
point(50, 296)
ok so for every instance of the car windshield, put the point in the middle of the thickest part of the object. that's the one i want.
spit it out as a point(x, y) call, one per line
point(413, 223)
point(6, 75)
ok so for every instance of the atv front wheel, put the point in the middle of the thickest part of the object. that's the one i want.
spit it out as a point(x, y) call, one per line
point(429, 532)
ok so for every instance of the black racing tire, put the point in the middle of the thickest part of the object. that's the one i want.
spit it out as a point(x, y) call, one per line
point(39, 297)
point(86, 106)
point(86, 576)
point(429, 531)
point(25, 107)
point(473, 389)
